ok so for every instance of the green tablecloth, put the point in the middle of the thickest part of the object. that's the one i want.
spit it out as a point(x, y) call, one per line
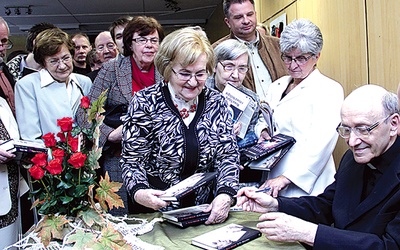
point(172, 237)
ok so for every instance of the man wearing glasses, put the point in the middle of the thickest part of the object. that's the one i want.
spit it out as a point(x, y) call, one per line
point(6, 79)
point(360, 209)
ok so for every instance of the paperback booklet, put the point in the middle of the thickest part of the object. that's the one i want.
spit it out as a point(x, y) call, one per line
point(187, 186)
point(268, 147)
point(227, 237)
point(241, 105)
point(270, 161)
point(187, 213)
point(190, 222)
point(23, 146)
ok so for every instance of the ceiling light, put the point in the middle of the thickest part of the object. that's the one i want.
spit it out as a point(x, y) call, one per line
point(8, 11)
point(17, 11)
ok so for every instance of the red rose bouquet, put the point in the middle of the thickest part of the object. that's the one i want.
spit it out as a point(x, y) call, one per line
point(66, 177)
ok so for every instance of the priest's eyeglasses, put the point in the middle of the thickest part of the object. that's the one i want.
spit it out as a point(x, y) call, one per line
point(360, 131)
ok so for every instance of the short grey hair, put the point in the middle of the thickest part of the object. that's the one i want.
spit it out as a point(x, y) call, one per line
point(5, 23)
point(390, 104)
point(230, 50)
point(301, 34)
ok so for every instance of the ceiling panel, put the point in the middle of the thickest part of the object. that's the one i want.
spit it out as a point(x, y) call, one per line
point(93, 16)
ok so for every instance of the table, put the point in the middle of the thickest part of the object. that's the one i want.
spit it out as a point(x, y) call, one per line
point(172, 237)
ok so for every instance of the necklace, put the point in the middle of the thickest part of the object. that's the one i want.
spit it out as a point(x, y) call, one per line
point(184, 112)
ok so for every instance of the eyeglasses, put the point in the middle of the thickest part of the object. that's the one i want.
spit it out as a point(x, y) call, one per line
point(56, 62)
point(143, 40)
point(361, 131)
point(6, 43)
point(184, 76)
point(300, 60)
point(229, 67)
point(109, 46)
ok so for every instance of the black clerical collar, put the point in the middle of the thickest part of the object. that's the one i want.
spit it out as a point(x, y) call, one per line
point(383, 161)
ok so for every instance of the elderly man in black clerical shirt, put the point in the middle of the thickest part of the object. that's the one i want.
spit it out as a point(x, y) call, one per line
point(360, 209)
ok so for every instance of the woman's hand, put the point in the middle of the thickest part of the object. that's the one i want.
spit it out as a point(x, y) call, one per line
point(5, 156)
point(264, 136)
point(149, 198)
point(276, 184)
point(116, 135)
point(219, 208)
point(237, 127)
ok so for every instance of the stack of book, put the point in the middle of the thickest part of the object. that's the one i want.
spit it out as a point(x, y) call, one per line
point(189, 216)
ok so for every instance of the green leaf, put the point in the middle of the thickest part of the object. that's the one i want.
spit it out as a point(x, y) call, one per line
point(93, 158)
point(91, 216)
point(97, 106)
point(64, 185)
point(106, 193)
point(113, 239)
point(81, 239)
point(66, 199)
point(51, 228)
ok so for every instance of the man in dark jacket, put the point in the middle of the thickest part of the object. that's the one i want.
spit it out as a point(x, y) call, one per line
point(360, 209)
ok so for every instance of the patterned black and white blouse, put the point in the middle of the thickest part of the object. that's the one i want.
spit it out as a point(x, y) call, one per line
point(159, 150)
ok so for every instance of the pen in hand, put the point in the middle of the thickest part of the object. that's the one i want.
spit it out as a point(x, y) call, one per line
point(264, 190)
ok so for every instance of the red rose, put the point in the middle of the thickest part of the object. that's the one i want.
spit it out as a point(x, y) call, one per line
point(54, 167)
point(65, 124)
point(40, 159)
point(85, 102)
point(58, 154)
point(73, 143)
point(49, 140)
point(77, 160)
point(36, 172)
point(61, 135)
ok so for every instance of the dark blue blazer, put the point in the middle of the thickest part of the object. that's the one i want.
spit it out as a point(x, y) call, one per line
point(344, 221)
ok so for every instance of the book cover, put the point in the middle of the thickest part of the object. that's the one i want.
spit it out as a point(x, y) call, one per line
point(226, 237)
point(187, 185)
point(12, 146)
point(186, 213)
point(268, 147)
point(189, 222)
point(270, 161)
point(241, 105)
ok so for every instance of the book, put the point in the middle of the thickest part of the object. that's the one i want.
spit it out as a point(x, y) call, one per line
point(187, 186)
point(24, 146)
point(270, 161)
point(268, 147)
point(186, 213)
point(241, 106)
point(226, 237)
point(189, 222)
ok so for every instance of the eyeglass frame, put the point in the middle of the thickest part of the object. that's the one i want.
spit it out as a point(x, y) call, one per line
point(152, 40)
point(56, 62)
point(234, 67)
point(108, 46)
point(8, 44)
point(356, 130)
point(179, 75)
point(295, 59)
